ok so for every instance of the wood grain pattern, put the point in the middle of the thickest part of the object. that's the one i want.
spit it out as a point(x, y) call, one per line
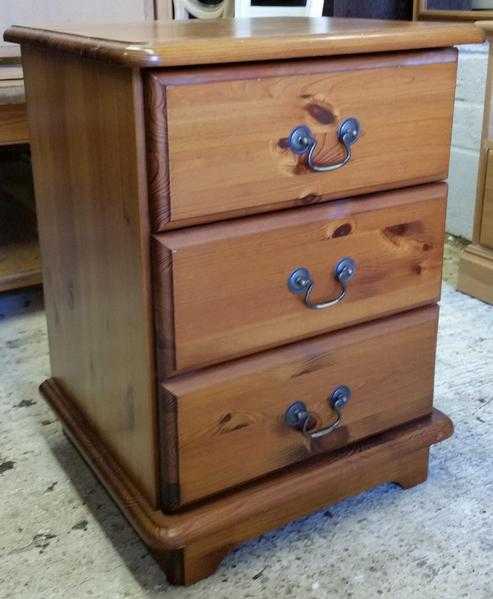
point(454, 15)
point(221, 290)
point(218, 136)
point(227, 413)
point(409, 469)
point(475, 275)
point(476, 272)
point(486, 148)
point(90, 188)
point(20, 264)
point(14, 128)
point(172, 43)
point(191, 543)
point(486, 26)
point(486, 228)
point(169, 456)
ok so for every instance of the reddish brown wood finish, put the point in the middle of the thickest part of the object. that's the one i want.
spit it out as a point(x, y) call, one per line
point(172, 43)
point(90, 184)
point(13, 124)
point(224, 426)
point(221, 289)
point(217, 137)
point(191, 544)
point(212, 143)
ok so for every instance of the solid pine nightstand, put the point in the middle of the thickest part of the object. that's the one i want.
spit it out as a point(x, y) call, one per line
point(242, 229)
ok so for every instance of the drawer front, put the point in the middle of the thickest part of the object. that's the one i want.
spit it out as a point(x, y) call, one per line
point(226, 425)
point(218, 138)
point(222, 290)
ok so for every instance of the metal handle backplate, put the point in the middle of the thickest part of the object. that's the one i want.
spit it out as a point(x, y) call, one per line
point(300, 282)
point(297, 415)
point(301, 141)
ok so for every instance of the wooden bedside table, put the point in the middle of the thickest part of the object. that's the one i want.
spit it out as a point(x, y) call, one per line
point(242, 229)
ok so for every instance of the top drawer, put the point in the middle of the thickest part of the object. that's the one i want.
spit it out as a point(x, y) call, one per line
point(218, 138)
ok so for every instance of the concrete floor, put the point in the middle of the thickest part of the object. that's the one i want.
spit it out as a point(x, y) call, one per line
point(63, 537)
point(451, 257)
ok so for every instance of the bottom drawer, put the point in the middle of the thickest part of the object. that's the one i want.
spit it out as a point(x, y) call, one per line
point(227, 425)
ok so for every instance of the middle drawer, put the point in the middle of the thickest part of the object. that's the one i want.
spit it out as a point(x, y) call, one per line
point(230, 289)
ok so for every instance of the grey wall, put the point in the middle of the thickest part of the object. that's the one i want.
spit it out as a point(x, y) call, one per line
point(466, 137)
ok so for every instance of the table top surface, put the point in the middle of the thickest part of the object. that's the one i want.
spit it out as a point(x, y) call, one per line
point(486, 25)
point(192, 42)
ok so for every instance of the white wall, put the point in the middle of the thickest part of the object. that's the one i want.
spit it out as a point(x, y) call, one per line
point(40, 12)
point(466, 138)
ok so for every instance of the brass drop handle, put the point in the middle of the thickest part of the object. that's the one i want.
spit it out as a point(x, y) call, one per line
point(301, 141)
point(297, 415)
point(300, 282)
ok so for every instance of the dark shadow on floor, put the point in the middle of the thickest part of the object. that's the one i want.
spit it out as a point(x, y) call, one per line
point(23, 301)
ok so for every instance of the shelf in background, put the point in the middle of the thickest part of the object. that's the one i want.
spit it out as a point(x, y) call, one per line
point(20, 263)
point(454, 15)
point(13, 124)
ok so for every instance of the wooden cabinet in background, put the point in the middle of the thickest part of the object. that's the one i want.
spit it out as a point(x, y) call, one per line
point(486, 226)
point(476, 264)
point(20, 264)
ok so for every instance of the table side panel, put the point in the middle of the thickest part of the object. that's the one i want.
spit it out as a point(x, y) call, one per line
point(86, 120)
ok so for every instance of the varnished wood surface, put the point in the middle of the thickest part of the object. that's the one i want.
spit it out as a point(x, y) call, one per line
point(486, 228)
point(218, 136)
point(20, 264)
point(221, 290)
point(476, 272)
point(454, 15)
point(13, 124)
point(484, 181)
point(227, 413)
point(486, 26)
point(476, 264)
point(192, 543)
point(173, 43)
point(87, 149)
